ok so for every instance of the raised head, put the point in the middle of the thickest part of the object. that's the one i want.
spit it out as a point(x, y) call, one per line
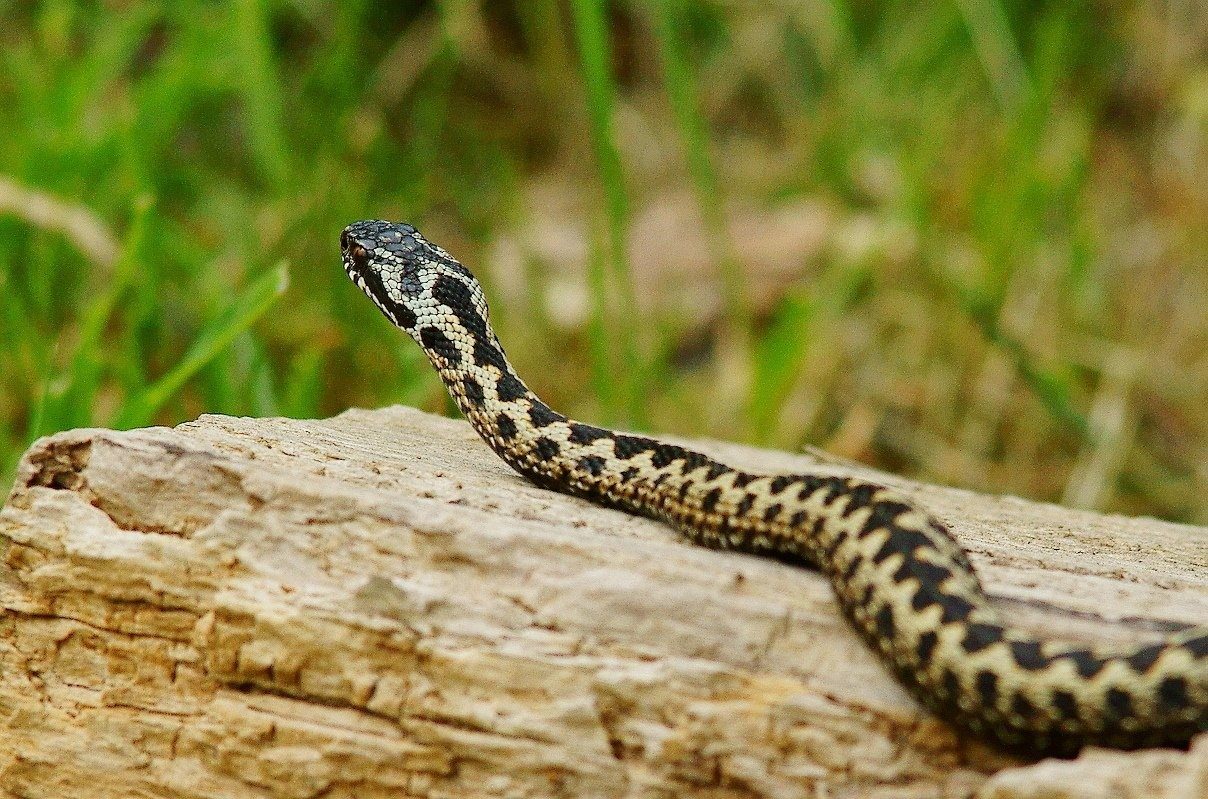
point(421, 289)
point(405, 275)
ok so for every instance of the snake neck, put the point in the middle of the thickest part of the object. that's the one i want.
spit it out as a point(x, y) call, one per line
point(505, 413)
point(634, 473)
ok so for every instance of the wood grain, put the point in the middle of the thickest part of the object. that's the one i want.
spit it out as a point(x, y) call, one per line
point(373, 605)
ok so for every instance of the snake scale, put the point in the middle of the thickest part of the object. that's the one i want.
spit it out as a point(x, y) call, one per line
point(901, 579)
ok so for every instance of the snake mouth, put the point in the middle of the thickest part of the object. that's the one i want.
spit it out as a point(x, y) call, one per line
point(355, 251)
point(355, 255)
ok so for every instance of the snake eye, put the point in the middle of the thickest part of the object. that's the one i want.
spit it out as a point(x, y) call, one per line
point(354, 250)
point(358, 254)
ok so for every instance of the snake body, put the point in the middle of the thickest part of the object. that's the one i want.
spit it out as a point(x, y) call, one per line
point(900, 577)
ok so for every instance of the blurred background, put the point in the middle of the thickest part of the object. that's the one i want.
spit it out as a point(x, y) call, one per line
point(964, 241)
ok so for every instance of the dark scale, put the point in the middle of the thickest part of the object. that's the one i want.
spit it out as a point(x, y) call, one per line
point(541, 416)
point(436, 341)
point(1144, 658)
point(1085, 663)
point(1022, 706)
point(505, 426)
point(882, 514)
point(509, 388)
point(586, 434)
point(471, 389)
point(779, 483)
point(901, 541)
point(487, 354)
point(885, 625)
point(834, 490)
point(853, 566)
point(925, 646)
point(1172, 692)
point(626, 447)
point(859, 497)
point(848, 527)
point(927, 574)
point(1065, 702)
point(978, 636)
point(1027, 655)
point(693, 461)
point(592, 464)
point(663, 455)
point(453, 294)
point(1119, 703)
point(831, 549)
point(987, 687)
point(953, 608)
point(546, 448)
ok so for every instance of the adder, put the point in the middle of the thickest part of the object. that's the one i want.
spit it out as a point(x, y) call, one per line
point(900, 577)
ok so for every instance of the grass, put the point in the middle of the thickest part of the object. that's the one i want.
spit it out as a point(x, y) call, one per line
point(617, 384)
point(963, 242)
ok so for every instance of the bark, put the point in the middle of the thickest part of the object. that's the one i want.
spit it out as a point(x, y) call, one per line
point(374, 605)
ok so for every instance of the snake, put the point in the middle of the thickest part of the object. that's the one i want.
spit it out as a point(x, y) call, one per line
point(902, 580)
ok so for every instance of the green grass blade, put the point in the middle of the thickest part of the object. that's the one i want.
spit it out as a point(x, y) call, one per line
point(68, 396)
point(87, 365)
point(684, 97)
point(1050, 388)
point(1002, 63)
point(595, 54)
point(212, 340)
point(263, 105)
point(264, 400)
point(603, 373)
point(303, 391)
point(786, 345)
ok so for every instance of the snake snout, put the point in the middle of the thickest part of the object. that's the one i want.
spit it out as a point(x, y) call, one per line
point(354, 248)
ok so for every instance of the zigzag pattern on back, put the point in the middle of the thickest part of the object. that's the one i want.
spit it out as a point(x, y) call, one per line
point(900, 577)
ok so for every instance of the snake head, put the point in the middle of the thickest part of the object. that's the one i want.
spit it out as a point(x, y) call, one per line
point(386, 260)
point(402, 272)
point(417, 285)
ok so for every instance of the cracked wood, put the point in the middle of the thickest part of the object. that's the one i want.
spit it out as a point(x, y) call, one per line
point(373, 605)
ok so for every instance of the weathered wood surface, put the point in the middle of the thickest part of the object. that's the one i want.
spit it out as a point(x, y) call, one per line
point(374, 605)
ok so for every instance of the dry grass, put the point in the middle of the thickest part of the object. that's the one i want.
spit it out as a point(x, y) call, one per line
point(965, 243)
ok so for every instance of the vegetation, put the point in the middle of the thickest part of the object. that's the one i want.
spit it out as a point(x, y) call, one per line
point(963, 241)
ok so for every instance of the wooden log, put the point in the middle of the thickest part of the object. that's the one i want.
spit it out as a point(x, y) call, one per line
point(373, 605)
